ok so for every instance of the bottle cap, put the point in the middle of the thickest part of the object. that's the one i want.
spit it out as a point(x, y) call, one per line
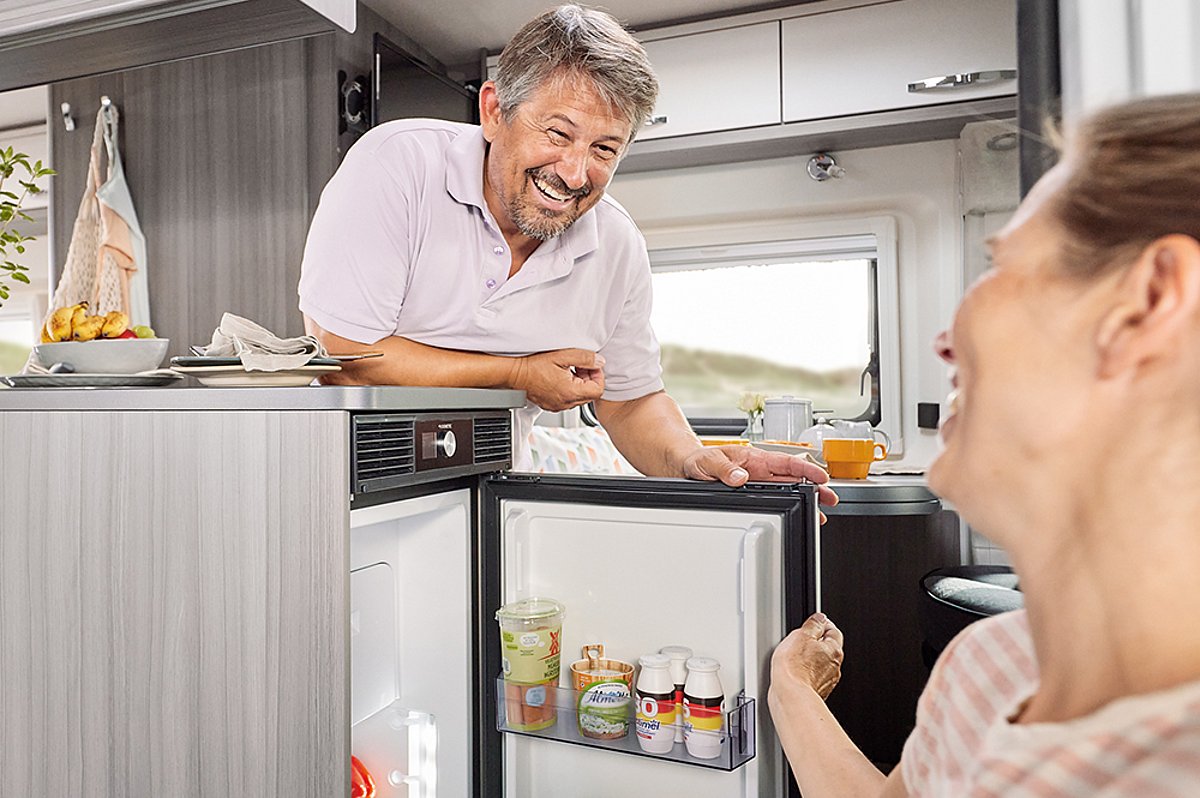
point(703, 665)
point(654, 661)
point(676, 652)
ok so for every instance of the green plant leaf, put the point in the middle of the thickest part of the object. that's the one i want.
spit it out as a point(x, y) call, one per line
point(21, 277)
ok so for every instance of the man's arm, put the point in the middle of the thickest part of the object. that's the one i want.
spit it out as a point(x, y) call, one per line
point(552, 380)
point(655, 437)
point(651, 432)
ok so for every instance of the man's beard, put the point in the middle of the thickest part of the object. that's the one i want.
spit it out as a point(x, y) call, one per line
point(540, 223)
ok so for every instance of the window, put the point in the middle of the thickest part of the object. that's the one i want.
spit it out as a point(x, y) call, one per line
point(798, 317)
point(16, 334)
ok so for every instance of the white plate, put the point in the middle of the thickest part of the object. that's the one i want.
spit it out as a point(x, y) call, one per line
point(91, 380)
point(787, 448)
point(238, 377)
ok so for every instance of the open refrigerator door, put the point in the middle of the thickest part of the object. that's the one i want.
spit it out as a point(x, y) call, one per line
point(641, 565)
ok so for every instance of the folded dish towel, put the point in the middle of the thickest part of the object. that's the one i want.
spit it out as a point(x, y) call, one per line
point(259, 348)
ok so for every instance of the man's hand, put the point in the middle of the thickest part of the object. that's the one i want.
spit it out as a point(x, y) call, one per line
point(737, 465)
point(810, 656)
point(561, 379)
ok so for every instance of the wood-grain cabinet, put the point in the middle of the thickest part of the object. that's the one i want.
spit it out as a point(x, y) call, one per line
point(862, 60)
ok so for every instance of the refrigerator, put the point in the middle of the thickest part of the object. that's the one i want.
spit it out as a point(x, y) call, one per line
point(639, 564)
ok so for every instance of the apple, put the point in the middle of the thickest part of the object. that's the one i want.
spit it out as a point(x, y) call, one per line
point(142, 331)
point(127, 334)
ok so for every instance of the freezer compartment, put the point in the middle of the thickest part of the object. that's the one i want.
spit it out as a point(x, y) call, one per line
point(735, 742)
point(398, 747)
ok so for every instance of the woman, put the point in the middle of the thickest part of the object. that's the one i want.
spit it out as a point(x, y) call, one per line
point(1073, 440)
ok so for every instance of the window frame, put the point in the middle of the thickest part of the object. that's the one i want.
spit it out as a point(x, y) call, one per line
point(870, 238)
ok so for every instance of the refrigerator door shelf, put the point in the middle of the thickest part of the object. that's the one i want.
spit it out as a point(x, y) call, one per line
point(398, 747)
point(737, 737)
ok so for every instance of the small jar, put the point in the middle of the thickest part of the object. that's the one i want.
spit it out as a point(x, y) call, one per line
point(655, 694)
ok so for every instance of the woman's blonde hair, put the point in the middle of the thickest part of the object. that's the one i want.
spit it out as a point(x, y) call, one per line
point(1134, 178)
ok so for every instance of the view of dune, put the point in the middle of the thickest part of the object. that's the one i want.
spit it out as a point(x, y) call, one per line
point(698, 378)
point(12, 357)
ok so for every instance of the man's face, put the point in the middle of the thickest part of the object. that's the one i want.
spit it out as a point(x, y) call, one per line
point(553, 160)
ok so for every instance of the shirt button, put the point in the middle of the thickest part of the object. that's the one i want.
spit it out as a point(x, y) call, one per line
point(490, 283)
point(498, 250)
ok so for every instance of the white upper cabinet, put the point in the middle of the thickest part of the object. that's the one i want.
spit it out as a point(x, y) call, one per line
point(864, 59)
point(342, 12)
point(718, 80)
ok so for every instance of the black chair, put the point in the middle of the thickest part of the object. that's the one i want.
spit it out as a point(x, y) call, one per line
point(955, 597)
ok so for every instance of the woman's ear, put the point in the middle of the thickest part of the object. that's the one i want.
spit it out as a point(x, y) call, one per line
point(490, 117)
point(1158, 303)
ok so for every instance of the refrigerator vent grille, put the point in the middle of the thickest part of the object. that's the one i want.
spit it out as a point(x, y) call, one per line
point(384, 449)
point(493, 439)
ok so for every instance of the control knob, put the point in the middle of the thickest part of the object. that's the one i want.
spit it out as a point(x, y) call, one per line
point(447, 445)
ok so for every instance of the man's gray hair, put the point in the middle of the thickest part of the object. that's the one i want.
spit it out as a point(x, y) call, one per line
point(574, 41)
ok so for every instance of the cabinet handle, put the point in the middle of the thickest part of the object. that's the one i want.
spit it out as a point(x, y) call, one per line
point(944, 82)
point(660, 119)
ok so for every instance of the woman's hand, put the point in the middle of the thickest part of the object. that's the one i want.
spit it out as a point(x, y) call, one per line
point(810, 656)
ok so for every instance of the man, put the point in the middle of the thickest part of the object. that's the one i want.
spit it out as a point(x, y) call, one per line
point(490, 256)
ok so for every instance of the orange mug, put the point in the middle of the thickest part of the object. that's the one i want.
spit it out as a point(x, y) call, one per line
point(851, 458)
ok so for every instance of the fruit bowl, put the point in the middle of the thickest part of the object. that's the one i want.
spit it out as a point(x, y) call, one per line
point(105, 356)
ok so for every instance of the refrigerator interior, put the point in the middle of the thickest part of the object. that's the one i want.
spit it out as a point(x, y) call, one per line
point(638, 579)
point(410, 657)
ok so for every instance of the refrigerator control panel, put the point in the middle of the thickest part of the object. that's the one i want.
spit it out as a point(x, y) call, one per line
point(442, 443)
point(392, 450)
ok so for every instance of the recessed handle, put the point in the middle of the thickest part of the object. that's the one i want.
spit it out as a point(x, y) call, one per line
point(957, 81)
point(658, 119)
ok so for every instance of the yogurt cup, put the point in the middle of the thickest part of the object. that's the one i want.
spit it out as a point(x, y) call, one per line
point(605, 694)
point(531, 656)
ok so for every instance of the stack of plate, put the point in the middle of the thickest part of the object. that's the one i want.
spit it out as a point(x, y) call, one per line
point(228, 372)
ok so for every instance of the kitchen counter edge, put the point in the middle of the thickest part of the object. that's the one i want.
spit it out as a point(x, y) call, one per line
point(310, 398)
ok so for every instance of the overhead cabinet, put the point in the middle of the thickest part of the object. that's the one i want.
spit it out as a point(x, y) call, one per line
point(897, 55)
point(718, 80)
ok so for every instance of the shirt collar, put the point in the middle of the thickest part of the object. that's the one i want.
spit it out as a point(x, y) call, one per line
point(464, 182)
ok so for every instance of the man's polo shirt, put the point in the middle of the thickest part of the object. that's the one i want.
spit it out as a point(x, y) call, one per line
point(403, 244)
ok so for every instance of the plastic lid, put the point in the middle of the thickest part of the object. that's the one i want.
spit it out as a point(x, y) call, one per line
point(676, 652)
point(530, 609)
point(654, 661)
point(703, 665)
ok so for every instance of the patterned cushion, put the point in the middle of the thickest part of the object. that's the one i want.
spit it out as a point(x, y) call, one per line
point(576, 450)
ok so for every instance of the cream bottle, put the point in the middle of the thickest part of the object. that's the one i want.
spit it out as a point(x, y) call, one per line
point(655, 694)
point(702, 699)
point(679, 656)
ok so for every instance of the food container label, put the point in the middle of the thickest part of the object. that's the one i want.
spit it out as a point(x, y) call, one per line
point(531, 657)
point(702, 714)
point(604, 710)
point(654, 712)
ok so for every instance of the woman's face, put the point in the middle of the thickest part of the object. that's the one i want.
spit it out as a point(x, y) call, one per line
point(1021, 362)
